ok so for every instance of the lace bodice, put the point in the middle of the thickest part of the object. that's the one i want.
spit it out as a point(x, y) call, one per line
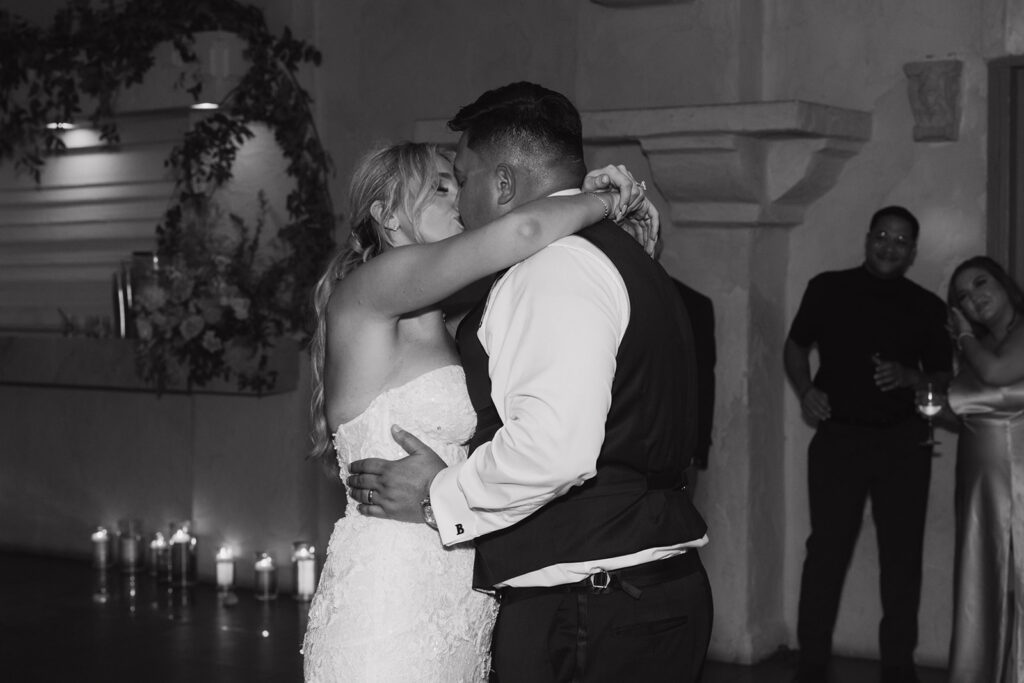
point(434, 406)
point(393, 604)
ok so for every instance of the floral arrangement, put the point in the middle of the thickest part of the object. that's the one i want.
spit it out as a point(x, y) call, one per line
point(220, 299)
point(215, 308)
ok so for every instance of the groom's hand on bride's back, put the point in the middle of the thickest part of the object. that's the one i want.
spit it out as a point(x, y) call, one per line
point(393, 489)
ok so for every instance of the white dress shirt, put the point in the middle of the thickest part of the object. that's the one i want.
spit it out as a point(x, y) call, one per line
point(551, 328)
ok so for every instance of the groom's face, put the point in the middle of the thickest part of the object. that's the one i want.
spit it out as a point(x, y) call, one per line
point(474, 173)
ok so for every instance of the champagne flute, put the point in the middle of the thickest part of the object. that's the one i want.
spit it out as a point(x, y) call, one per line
point(929, 399)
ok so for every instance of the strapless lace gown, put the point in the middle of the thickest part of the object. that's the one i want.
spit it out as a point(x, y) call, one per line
point(988, 605)
point(393, 604)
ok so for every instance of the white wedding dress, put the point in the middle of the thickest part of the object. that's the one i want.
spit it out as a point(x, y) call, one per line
point(393, 604)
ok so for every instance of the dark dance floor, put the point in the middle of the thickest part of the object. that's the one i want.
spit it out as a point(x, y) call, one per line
point(59, 622)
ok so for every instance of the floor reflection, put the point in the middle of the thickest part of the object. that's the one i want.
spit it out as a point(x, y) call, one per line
point(61, 620)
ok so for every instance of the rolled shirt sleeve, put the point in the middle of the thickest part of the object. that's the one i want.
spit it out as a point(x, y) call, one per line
point(551, 329)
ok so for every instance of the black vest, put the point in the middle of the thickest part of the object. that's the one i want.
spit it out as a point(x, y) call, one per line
point(637, 499)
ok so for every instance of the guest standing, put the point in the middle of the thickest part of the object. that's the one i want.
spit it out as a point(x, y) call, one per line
point(878, 335)
point(702, 321)
point(988, 393)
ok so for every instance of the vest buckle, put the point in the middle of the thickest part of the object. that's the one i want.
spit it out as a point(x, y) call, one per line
point(600, 581)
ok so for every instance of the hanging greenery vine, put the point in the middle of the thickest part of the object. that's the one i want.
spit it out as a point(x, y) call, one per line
point(219, 304)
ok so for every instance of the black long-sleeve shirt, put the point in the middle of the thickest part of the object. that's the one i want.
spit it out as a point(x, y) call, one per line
point(852, 315)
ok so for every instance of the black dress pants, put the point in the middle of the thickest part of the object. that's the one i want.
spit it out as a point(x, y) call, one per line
point(607, 637)
point(847, 464)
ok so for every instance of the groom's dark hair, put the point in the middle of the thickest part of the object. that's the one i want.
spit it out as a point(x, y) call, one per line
point(526, 123)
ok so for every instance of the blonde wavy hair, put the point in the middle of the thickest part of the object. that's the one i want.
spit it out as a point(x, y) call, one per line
point(402, 177)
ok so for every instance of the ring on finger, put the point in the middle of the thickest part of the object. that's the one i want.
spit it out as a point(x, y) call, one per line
point(369, 496)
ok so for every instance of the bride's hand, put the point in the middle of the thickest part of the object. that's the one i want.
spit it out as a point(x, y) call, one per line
point(633, 211)
point(643, 224)
point(618, 179)
point(958, 323)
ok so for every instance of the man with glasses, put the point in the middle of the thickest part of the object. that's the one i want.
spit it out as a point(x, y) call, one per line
point(878, 335)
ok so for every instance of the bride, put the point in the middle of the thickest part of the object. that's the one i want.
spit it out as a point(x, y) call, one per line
point(382, 355)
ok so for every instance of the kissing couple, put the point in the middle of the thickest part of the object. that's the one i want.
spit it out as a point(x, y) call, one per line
point(522, 512)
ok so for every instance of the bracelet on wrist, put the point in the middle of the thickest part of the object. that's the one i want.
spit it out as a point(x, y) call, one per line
point(604, 203)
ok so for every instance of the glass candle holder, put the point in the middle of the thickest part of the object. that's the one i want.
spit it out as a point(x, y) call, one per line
point(304, 568)
point(225, 570)
point(129, 544)
point(141, 273)
point(265, 577)
point(158, 561)
point(183, 558)
point(100, 548)
point(101, 587)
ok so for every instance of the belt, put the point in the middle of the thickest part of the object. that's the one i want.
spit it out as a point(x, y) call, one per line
point(630, 580)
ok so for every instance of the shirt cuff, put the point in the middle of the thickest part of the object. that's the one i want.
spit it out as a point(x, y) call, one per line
point(455, 521)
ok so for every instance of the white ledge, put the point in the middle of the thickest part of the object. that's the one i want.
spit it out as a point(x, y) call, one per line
point(744, 164)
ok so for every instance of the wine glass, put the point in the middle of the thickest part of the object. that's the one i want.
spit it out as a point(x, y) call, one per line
point(929, 399)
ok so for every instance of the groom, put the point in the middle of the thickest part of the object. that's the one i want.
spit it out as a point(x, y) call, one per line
point(574, 491)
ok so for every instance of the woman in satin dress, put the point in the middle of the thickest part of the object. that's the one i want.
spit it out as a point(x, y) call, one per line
point(986, 307)
point(393, 605)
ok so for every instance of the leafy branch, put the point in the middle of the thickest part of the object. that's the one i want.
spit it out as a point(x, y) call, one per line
point(92, 51)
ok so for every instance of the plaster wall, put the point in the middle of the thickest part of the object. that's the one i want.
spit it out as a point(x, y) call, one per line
point(851, 53)
point(74, 458)
point(388, 64)
point(741, 494)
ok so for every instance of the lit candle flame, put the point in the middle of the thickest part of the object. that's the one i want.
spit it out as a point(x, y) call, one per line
point(304, 552)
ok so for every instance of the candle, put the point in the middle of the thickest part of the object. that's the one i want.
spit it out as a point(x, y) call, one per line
point(183, 559)
point(100, 548)
point(265, 584)
point(129, 540)
point(120, 310)
point(225, 569)
point(126, 282)
point(158, 556)
point(304, 561)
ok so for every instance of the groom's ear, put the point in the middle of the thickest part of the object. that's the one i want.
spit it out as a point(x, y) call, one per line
point(505, 183)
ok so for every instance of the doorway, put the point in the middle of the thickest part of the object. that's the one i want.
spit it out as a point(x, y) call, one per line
point(1006, 163)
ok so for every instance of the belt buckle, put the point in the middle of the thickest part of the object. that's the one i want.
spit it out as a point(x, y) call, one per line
point(600, 581)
